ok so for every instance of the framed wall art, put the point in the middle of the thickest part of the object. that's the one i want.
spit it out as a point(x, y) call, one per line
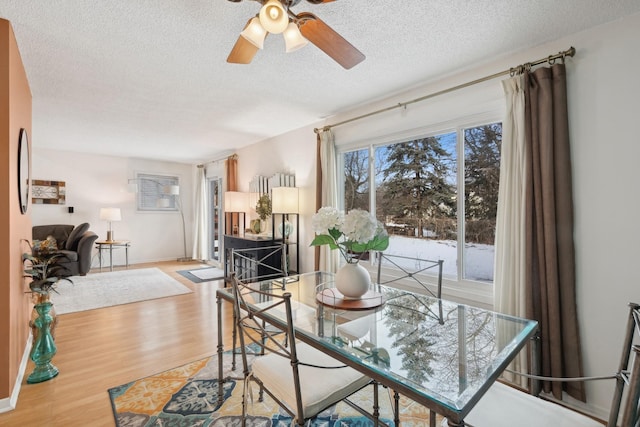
point(48, 192)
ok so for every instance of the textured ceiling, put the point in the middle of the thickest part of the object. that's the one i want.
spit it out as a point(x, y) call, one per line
point(149, 78)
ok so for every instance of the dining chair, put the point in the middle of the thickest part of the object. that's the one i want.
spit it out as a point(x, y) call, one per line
point(504, 405)
point(304, 381)
point(394, 270)
point(399, 271)
point(255, 264)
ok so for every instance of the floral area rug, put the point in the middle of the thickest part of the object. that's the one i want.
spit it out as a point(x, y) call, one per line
point(188, 396)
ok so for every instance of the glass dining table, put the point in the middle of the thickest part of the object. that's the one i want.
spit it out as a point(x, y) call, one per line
point(441, 354)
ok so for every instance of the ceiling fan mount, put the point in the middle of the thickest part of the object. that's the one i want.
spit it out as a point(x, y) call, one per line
point(288, 3)
point(298, 29)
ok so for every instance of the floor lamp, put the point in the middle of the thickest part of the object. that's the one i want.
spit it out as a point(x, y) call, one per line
point(284, 201)
point(174, 191)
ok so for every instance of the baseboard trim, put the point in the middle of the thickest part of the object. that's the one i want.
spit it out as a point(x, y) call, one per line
point(9, 403)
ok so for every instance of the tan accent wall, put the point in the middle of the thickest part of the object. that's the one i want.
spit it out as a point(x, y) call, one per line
point(15, 113)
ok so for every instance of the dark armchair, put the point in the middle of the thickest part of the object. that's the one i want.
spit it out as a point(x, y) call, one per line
point(75, 243)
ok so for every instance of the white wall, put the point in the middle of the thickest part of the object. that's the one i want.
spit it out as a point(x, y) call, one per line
point(603, 93)
point(603, 99)
point(294, 152)
point(94, 181)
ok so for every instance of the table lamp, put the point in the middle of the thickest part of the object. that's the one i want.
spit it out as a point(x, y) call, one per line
point(236, 202)
point(110, 214)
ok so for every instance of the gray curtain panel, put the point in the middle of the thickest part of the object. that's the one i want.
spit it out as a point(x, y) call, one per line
point(550, 277)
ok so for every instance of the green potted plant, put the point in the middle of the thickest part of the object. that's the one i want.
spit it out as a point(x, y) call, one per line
point(42, 268)
point(263, 209)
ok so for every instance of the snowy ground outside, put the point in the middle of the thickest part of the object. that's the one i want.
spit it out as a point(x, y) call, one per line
point(479, 258)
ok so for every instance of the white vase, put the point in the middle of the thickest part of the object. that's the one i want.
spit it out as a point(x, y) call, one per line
point(265, 226)
point(353, 280)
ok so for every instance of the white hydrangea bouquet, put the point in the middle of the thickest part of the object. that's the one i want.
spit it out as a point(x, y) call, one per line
point(353, 233)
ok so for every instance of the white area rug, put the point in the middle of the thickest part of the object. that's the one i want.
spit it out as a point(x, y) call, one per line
point(114, 288)
point(207, 273)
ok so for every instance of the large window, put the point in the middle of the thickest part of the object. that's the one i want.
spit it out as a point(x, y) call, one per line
point(436, 195)
point(156, 192)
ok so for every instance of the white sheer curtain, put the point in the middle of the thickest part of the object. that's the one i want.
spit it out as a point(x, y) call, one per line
point(510, 223)
point(328, 258)
point(200, 232)
point(510, 261)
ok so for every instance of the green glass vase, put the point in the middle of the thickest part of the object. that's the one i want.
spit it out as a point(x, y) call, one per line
point(39, 299)
point(44, 348)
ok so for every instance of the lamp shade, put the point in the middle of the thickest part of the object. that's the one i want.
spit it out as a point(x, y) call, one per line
point(172, 190)
point(163, 203)
point(110, 214)
point(255, 33)
point(273, 17)
point(236, 201)
point(293, 40)
point(284, 200)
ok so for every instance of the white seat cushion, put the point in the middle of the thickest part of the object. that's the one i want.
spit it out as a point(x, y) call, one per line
point(320, 388)
point(505, 406)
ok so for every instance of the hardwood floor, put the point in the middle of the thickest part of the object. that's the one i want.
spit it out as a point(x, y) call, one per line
point(103, 348)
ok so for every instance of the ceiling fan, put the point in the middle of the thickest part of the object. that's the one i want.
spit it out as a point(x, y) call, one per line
point(298, 29)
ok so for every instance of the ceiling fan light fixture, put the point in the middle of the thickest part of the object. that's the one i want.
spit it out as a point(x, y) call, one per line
point(273, 17)
point(293, 39)
point(255, 33)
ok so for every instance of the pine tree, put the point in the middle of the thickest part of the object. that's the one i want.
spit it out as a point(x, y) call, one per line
point(482, 176)
point(416, 186)
point(482, 171)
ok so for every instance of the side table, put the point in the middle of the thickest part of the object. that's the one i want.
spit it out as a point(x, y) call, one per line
point(110, 245)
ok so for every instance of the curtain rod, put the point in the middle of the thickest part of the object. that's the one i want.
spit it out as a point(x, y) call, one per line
point(512, 71)
point(221, 159)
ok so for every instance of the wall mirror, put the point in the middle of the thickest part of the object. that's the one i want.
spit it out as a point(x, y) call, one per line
point(23, 170)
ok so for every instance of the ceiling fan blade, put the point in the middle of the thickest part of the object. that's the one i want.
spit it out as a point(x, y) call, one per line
point(316, 1)
point(329, 41)
point(243, 51)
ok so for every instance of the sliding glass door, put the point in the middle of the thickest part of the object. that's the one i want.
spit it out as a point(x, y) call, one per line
point(214, 220)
